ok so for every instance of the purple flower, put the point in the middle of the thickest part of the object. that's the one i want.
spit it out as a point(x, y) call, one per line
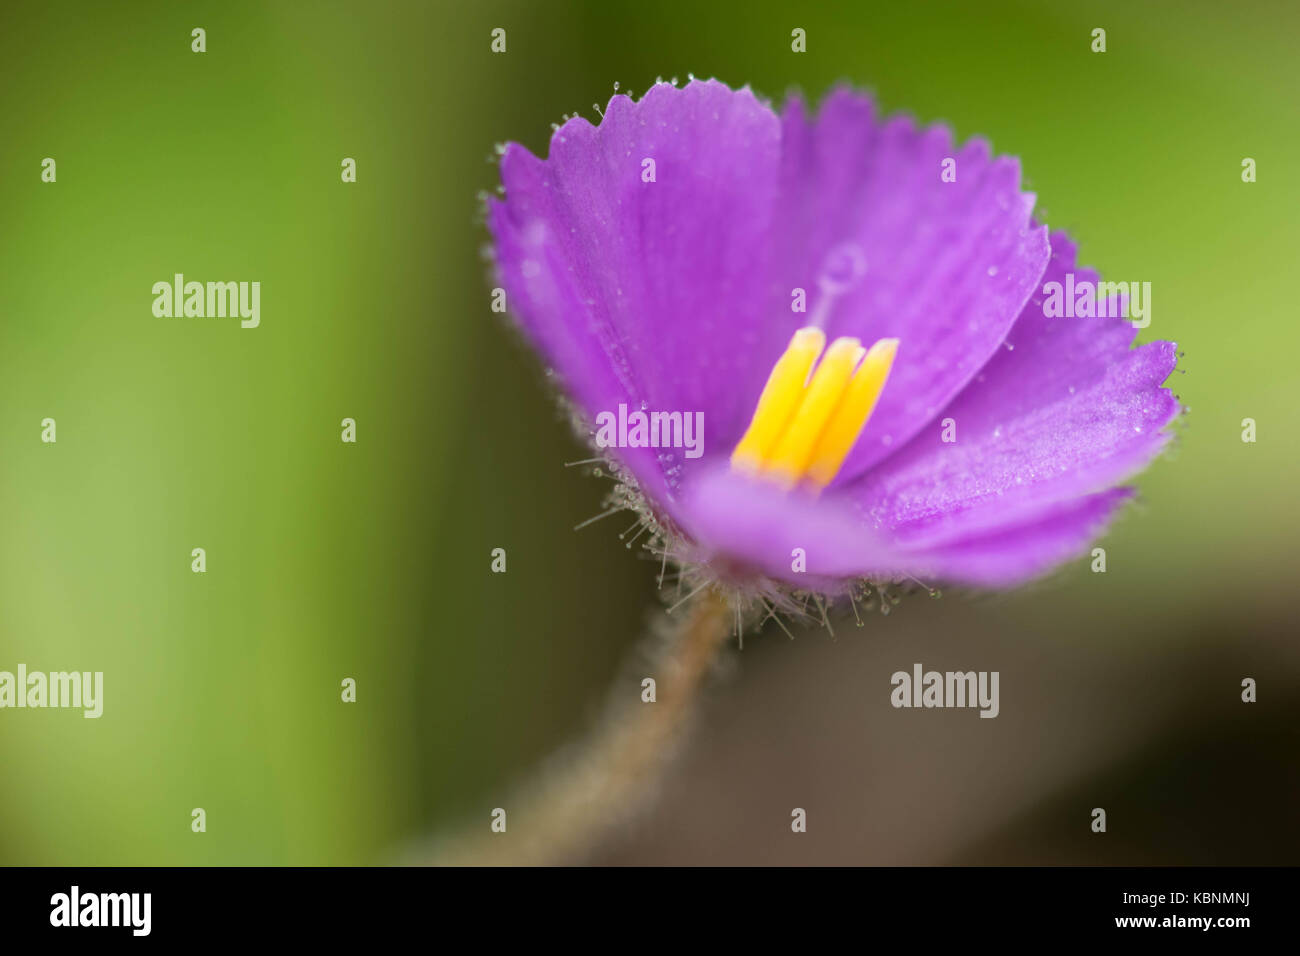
point(657, 262)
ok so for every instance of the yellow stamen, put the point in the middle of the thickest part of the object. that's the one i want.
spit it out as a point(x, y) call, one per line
point(804, 428)
point(851, 416)
point(789, 460)
point(779, 400)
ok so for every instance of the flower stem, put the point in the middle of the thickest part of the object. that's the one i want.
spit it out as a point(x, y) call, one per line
point(564, 812)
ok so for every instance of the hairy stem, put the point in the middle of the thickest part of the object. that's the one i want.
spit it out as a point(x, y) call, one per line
point(562, 813)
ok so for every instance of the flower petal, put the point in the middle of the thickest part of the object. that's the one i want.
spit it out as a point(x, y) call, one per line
point(1072, 409)
point(747, 524)
point(1016, 553)
point(751, 523)
point(645, 292)
point(948, 265)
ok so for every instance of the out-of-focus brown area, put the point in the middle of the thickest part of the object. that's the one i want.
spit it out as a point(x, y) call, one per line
point(1154, 732)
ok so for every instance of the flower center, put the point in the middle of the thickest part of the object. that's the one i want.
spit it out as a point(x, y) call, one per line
point(807, 421)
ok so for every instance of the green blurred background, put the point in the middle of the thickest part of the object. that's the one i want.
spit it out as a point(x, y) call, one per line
point(371, 561)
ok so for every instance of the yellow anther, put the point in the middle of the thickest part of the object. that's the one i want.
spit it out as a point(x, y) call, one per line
point(779, 400)
point(804, 427)
point(789, 460)
point(851, 416)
